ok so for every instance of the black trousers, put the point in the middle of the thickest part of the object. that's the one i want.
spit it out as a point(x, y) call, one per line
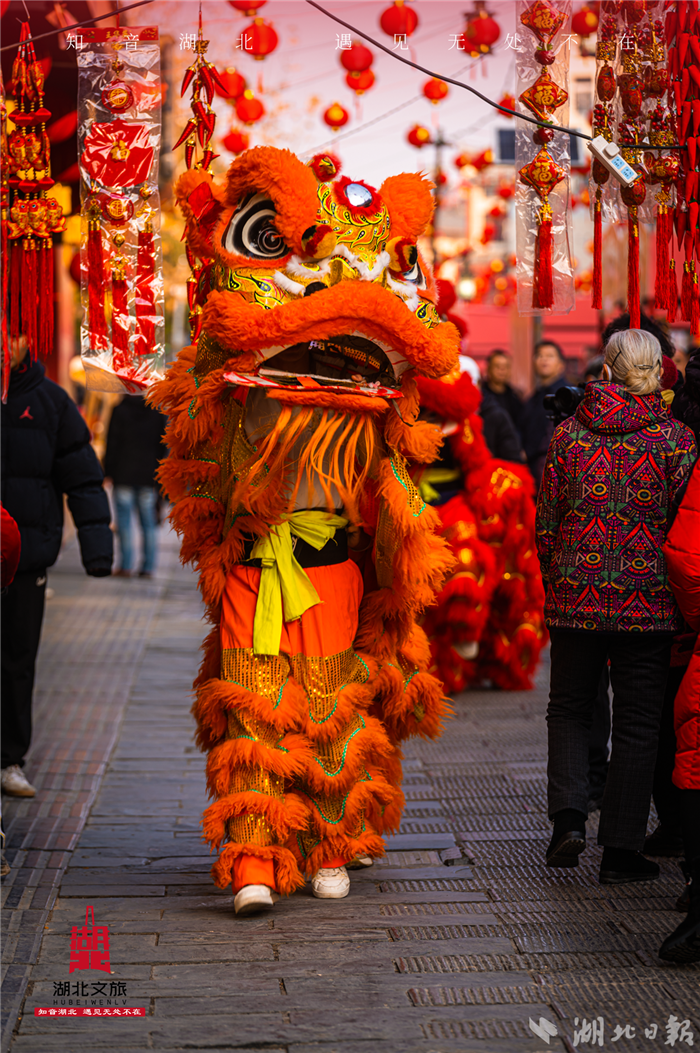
point(600, 735)
point(666, 794)
point(639, 664)
point(22, 615)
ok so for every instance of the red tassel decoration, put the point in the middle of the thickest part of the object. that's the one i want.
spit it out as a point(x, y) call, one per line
point(597, 298)
point(97, 323)
point(672, 307)
point(695, 305)
point(4, 334)
point(145, 297)
point(29, 293)
point(633, 304)
point(686, 292)
point(543, 286)
point(663, 234)
point(120, 318)
point(46, 298)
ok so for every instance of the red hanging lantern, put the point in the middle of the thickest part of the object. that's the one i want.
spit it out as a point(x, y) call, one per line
point(398, 20)
point(260, 38)
point(440, 178)
point(481, 33)
point(248, 108)
point(236, 141)
point(585, 21)
point(497, 212)
point(360, 82)
point(489, 233)
point(336, 116)
point(461, 161)
point(435, 90)
point(506, 192)
point(418, 136)
point(232, 81)
point(356, 59)
point(248, 7)
point(508, 101)
point(482, 160)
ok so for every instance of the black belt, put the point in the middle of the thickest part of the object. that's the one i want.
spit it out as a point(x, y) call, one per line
point(334, 551)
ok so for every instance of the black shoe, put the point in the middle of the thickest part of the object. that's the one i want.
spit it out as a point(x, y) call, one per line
point(568, 839)
point(663, 842)
point(620, 866)
point(683, 945)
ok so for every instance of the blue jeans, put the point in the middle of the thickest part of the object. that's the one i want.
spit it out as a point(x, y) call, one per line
point(143, 498)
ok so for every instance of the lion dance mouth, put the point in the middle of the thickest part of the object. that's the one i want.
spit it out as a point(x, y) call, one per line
point(294, 422)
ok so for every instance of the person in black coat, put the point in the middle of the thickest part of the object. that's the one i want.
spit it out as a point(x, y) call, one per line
point(498, 387)
point(536, 428)
point(46, 453)
point(500, 434)
point(135, 448)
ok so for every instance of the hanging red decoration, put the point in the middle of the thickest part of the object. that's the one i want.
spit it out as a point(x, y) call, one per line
point(482, 160)
point(435, 90)
point(360, 82)
point(248, 7)
point(506, 191)
point(585, 21)
point(236, 141)
point(508, 101)
point(118, 153)
point(231, 85)
point(461, 161)
point(63, 128)
point(481, 32)
point(398, 20)
point(418, 136)
point(259, 39)
point(543, 174)
point(488, 234)
point(336, 116)
point(248, 108)
point(357, 58)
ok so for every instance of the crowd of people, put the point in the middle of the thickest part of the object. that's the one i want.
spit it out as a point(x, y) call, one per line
point(618, 539)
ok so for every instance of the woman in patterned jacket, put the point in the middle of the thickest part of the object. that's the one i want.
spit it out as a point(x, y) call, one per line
point(612, 474)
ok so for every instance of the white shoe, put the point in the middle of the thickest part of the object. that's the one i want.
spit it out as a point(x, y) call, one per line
point(253, 898)
point(14, 783)
point(331, 883)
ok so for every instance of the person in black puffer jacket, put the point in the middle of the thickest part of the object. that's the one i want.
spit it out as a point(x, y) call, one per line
point(46, 453)
point(686, 405)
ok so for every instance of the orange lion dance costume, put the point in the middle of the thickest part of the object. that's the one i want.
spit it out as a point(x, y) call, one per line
point(291, 425)
point(488, 622)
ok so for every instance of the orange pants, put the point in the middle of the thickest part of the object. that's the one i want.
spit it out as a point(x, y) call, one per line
point(323, 630)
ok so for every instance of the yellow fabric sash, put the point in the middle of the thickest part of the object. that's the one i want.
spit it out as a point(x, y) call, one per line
point(437, 476)
point(282, 580)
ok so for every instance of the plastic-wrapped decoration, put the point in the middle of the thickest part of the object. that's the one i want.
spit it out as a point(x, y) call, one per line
point(543, 160)
point(119, 129)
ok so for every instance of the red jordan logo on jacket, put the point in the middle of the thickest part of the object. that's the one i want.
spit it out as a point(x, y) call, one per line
point(26, 415)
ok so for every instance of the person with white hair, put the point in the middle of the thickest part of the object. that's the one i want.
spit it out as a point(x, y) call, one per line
point(612, 474)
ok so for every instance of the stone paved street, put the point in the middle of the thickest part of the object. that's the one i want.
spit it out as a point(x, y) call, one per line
point(453, 942)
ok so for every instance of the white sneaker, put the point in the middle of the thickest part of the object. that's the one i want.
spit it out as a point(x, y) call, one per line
point(14, 783)
point(253, 898)
point(331, 883)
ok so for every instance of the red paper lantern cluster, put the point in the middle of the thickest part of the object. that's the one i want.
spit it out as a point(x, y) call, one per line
point(482, 160)
point(508, 101)
point(260, 38)
point(481, 32)
point(360, 82)
point(435, 90)
point(585, 21)
point(398, 20)
point(336, 116)
point(356, 59)
point(248, 108)
point(248, 7)
point(418, 136)
point(236, 141)
point(233, 83)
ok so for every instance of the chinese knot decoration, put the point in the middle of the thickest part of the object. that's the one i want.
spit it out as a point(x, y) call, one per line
point(543, 173)
point(119, 89)
point(29, 217)
point(204, 79)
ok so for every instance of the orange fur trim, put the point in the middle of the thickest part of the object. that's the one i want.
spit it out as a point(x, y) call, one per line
point(289, 183)
point(282, 816)
point(343, 308)
point(410, 202)
point(350, 699)
point(366, 743)
point(287, 875)
point(290, 758)
point(216, 696)
point(329, 400)
point(367, 844)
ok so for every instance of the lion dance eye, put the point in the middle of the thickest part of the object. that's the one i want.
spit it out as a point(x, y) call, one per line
point(252, 230)
point(415, 275)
